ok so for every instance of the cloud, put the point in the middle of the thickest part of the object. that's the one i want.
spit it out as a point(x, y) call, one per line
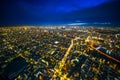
point(35, 11)
point(56, 6)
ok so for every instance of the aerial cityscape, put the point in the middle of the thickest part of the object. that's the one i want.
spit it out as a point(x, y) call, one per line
point(59, 39)
point(59, 53)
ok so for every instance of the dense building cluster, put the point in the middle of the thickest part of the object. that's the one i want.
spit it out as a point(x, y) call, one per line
point(59, 53)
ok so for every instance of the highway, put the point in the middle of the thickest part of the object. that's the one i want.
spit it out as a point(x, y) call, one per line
point(105, 54)
point(61, 64)
point(91, 45)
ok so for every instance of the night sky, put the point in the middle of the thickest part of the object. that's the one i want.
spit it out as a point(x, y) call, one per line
point(41, 12)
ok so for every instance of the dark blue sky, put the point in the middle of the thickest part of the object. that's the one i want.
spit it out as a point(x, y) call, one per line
point(38, 12)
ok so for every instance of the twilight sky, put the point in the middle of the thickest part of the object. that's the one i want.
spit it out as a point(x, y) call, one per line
point(39, 12)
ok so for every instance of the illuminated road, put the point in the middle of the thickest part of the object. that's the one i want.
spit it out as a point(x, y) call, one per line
point(91, 45)
point(61, 64)
point(105, 54)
